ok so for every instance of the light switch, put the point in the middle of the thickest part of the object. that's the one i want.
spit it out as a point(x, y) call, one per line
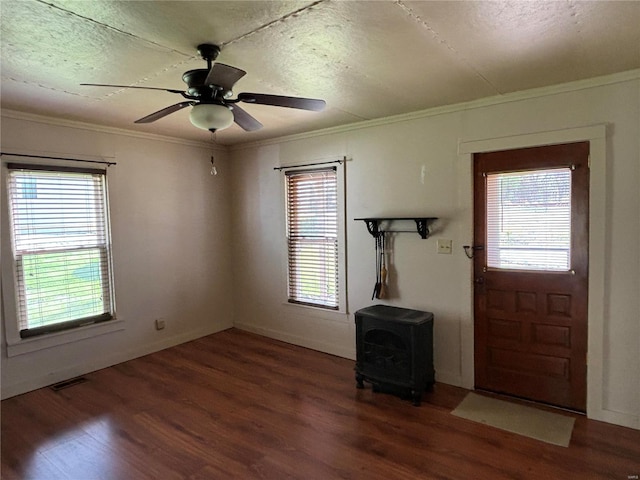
point(444, 246)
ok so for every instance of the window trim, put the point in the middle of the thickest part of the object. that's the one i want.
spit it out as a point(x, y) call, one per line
point(342, 245)
point(86, 328)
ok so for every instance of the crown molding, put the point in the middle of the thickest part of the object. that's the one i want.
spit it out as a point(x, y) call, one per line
point(595, 82)
point(61, 122)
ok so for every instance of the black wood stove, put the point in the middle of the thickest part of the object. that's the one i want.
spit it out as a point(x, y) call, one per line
point(394, 350)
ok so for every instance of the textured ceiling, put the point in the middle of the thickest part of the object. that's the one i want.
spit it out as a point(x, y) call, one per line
point(366, 59)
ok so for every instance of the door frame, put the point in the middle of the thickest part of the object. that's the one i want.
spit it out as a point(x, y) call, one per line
point(596, 136)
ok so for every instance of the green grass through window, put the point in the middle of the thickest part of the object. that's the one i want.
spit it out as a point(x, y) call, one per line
point(62, 286)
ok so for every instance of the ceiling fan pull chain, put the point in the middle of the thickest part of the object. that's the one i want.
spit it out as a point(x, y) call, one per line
point(214, 170)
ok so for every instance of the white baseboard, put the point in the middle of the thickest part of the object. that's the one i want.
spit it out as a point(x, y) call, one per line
point(312, 344)
point(18, 388)
point(449, 378)
point(616, 418)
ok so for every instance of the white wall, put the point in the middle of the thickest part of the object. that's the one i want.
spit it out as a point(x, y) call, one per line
point(412, 166)
point(170, 224)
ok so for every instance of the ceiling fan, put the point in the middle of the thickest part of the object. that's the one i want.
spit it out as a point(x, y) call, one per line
point(209, 92)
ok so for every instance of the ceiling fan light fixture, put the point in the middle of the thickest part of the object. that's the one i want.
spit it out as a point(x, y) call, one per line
point(211, 116)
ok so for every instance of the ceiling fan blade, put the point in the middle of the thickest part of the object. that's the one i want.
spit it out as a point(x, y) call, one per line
point(282, 101)
point(129, 86)
point(246, 121)
point(224, 76)
point(164, 112)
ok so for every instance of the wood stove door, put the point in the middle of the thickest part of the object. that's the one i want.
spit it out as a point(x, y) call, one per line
point(530, 295)
point(386, 356)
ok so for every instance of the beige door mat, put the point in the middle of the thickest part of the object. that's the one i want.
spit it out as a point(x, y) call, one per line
point(528, 421)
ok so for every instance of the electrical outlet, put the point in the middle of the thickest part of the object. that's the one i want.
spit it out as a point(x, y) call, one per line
point(444, 246)
point(159, 324)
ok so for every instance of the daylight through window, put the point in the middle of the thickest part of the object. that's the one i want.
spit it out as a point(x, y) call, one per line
point(529, 220)
point(60, 240)
point(312, 237)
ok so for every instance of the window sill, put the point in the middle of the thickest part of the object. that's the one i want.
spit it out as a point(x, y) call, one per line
point(319, 312)
point(29, 345)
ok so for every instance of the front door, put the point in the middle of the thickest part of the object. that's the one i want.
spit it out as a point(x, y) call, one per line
point(531, 272)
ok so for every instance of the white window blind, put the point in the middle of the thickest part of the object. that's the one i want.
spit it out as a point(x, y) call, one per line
point(60, 242)
point(529, 220)
point(312, 237)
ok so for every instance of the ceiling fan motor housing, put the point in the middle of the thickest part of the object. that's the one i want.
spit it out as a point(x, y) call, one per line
point(195, 79)
point(195, 83)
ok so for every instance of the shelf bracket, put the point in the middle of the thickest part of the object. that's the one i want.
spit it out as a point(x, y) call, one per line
point(372, 227)
point(422, 225)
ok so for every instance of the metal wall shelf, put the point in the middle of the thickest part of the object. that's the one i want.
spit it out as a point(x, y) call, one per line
point(422, 224)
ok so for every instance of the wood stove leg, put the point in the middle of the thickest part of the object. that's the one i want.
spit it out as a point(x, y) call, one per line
point(417, 397)
point(359, 381)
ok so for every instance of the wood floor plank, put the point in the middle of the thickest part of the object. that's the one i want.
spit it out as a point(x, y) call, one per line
point(237, 405)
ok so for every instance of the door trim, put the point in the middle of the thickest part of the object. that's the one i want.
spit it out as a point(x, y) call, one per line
point(596, 135)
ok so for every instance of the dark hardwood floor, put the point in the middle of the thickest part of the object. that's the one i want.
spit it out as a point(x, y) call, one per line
point(237, 405)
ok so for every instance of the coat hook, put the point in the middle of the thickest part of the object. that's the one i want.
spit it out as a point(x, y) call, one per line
point(469, 250)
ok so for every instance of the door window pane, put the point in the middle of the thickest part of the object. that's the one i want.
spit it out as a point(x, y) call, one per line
point(529, 220)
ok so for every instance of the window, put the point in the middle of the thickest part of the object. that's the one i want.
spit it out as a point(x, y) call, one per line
point(61, 251)
point(312, 237)
point(529, 220)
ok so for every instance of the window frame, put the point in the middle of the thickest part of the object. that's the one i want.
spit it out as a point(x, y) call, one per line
point(16, 345)
point(342, 307)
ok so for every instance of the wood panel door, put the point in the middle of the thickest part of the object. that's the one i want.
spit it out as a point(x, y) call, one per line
point(531, 273)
